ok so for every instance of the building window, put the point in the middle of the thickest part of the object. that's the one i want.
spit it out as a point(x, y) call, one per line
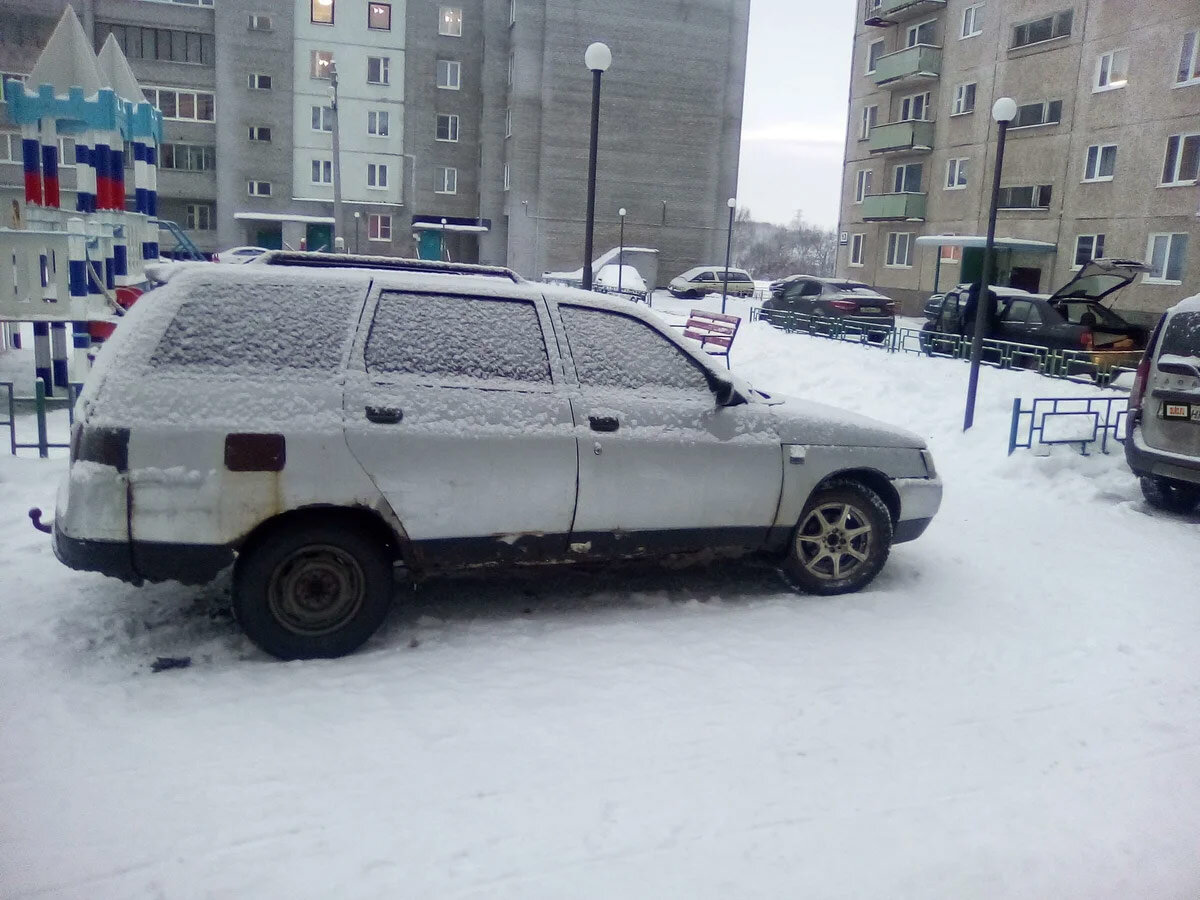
point(870, 116)
point(915, 108)
point(447, 128)
point(321, 61)
point(508, 122)
point(1100, 163)
point(964, 99)
point(322, 118)
point(260, 134)
point(449, 74)
point(1189, 59)
point(1041, 30)
point(450, 21)
point(187, 157)
point(1025, 197)
point(379, 16)
point(379, 227)
point(445, 180)
point(377, 175)
point(378, 69)
point(512, 65)
point(923, 33)
point(507, 177)
point(906, 179)
point(862, 184)
point(1030, 115)
point(512, 12)
point(1112, 71)
point(1182, 165)
point(1087, 248)
point(950, 253)
point(972, 21)
point(199, 216)
point(165, 44)
point(378, 123)
point(182, 106)
point(258, 82)
point(321, 12)
point(322, 171)
point(1165, 255)
point(258, 188)
point(874, 51)
point(857, 243)
point(956, 174)
point(899, 249)
point(259, 22)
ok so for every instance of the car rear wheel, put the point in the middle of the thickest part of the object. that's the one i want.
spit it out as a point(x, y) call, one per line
point(1173, 496)
point(841, 541)
point(313, 590)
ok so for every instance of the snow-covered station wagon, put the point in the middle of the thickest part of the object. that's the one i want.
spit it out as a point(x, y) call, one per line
point(317, 420)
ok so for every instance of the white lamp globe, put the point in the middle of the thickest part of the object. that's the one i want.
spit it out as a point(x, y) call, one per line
point(598, 57)
point(1004, 109)
point(621, 212)
point(732, 203)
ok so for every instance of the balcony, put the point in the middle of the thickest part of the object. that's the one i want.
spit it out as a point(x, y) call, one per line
point(893, 208)
point(892, 12)
point(908, 67)
point(900, 137)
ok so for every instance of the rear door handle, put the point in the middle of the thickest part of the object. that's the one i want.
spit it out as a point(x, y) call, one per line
point(384, 415)
point(604, 423)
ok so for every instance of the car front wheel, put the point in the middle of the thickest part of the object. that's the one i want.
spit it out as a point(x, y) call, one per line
point(841, 541)
point(1173, 496)
point(312, 590)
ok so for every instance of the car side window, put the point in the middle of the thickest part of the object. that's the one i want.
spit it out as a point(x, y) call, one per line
point(456, 336)
point(705, 276)
point(611, 350)
point(1016, 312)
point(811, 289)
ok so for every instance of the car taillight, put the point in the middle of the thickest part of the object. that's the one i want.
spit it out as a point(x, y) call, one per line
point(1087, 340)
point(889, 308)
point(844, 305)
point(1138, 392)
point(101, 444)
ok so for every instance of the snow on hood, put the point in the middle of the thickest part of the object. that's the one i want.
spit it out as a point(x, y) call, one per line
point(807, 422)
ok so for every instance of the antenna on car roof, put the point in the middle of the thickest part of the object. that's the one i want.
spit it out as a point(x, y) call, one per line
point(390, 263)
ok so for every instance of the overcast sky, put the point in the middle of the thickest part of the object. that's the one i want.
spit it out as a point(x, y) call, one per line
point(794, 124)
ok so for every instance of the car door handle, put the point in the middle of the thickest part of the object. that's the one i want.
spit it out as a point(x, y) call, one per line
point(384, 415)
point(604, 423)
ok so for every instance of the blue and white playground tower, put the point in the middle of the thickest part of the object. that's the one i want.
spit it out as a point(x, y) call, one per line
point(63, 266)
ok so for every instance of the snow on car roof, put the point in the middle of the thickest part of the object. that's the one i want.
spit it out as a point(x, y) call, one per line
point(1189, 304)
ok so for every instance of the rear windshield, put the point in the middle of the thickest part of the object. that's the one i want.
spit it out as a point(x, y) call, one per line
point(853, 286)
point(1091, 314)
point(1181, 337)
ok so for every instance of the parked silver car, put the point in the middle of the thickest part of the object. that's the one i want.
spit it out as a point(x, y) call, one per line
point(1163, 446)
point(315, 419)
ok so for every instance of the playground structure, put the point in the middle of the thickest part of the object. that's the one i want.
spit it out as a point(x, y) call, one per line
point(64, 268)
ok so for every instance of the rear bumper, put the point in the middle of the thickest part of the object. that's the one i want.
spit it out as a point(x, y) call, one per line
point(142, 561)
point(1145, 460)
point(920, 499)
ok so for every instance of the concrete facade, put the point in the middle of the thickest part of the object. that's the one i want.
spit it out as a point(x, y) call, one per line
point(1138, 116)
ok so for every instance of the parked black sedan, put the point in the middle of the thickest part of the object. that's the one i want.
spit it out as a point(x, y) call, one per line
point(829, 298)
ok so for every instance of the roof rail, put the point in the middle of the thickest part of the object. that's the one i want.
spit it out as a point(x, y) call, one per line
point(391, 263)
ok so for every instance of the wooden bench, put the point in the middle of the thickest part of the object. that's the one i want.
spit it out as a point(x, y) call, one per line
point(714, 331)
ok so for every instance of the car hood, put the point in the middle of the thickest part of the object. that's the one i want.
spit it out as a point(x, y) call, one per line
point(1098, 279)
point(801, 421)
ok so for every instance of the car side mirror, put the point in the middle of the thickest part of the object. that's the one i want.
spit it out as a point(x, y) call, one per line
point(726, 394)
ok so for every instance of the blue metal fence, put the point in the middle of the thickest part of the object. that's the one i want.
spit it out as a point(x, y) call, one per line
point(1085, 421)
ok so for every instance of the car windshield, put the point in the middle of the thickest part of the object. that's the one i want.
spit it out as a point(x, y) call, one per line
point(1084, 312)
point(1181, 337)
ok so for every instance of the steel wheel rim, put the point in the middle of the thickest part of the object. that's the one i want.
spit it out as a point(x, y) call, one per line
point(834, 541)
point(316, 590)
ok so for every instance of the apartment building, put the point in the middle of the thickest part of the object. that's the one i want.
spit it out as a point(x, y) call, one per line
point(462, 125)
point(1101, 160)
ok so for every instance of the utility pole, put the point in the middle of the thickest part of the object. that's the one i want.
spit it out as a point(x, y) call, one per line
point(337, 156)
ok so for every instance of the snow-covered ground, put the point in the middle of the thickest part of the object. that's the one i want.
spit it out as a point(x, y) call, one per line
point(1011, 710)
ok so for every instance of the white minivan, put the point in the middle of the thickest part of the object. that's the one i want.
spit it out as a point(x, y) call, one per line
point(315, 420)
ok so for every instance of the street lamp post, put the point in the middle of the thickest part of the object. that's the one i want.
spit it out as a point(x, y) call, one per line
point(1004, 111)
point(597, 58)
point(357, 218)
point(728, 253)
point(337, 155)
point(621, 252)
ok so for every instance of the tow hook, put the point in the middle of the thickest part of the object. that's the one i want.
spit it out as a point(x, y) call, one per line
point(35, 516)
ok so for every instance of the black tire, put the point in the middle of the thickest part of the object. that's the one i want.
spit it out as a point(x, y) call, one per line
point(285, 584)
point(842, 519)
point(1170, 495)
point(925, 340)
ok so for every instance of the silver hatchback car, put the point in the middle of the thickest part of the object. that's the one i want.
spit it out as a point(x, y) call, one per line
point(1163, 447)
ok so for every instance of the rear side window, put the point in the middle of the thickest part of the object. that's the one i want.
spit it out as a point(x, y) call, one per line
point(1181, 337)
point(261, 327)
point(615, 351)
point(452, 336)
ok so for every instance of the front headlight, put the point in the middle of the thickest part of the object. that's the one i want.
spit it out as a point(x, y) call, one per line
point(927, 458)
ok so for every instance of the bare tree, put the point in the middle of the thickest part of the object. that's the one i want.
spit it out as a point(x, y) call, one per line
point(773, 251)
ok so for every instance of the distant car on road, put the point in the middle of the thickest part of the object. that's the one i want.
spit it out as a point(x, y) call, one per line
point(1163, 446)
point(828, 298)
point(704, 280)
point(240, 254)
point(624, 280)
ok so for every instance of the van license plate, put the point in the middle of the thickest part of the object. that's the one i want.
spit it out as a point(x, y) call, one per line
point(1181, 411)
